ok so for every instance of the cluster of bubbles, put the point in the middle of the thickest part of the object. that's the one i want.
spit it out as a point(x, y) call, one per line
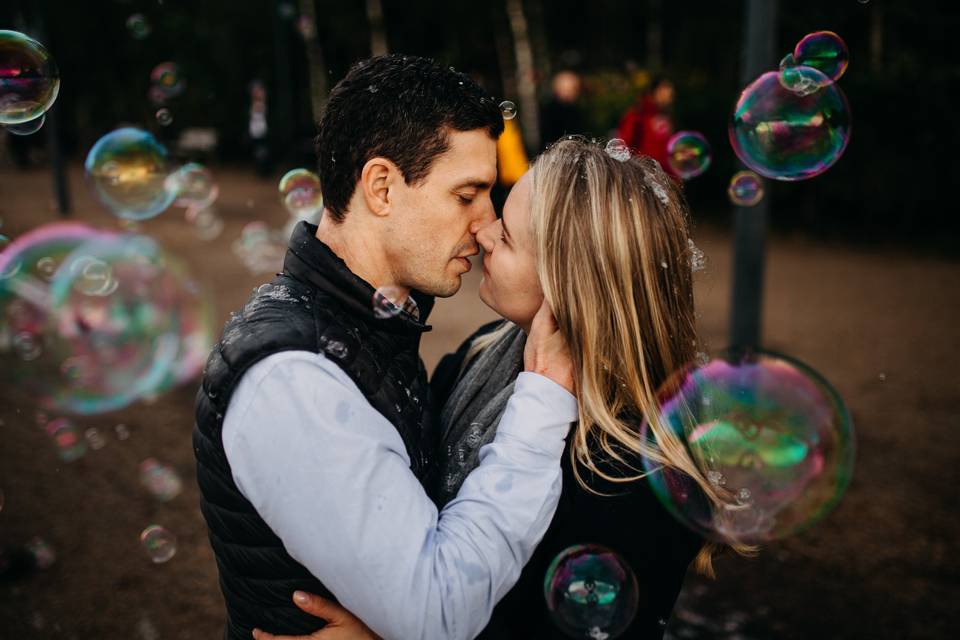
point(794, 123)
point(29, 83)
point(688, 154)
point(617, 149)
point(770, 435)
point(166, 83)
point(158, 543)
point(591, 592)
point(91, 321)
point(746, 189)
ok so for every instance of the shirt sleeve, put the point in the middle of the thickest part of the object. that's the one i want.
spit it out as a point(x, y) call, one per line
point(331, 477)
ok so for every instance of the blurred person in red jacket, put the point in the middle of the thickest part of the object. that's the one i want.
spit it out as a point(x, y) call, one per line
point(647, 125)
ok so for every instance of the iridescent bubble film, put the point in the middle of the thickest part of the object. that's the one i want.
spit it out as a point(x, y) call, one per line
point(591, 592)
point(159, 544)
point(193, 185)
point(824, 51)
point(768, 432)
point(300, 193)
point(508, 110)
point(746, 189)
point(160, 480)
point(789, 135)
point(67, 439)
point(688, 154)
point(167, 78)
point(27, 128)
point(129, 169)
point(29, 79)
point(119, 319)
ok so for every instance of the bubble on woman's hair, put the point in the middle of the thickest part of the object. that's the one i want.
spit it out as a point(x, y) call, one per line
point(159, 544)
point(388, 301)
point(618, 149)
point(508, 110)
point(697, 260)
point(591, 591)
point(768, 433)
point(658, 190)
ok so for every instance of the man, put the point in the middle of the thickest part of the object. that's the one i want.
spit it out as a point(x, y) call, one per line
point(313, 425)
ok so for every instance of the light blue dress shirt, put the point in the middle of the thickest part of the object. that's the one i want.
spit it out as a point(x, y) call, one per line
point(331, 477)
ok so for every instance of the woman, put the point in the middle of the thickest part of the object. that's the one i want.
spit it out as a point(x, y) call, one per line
point(605, 242)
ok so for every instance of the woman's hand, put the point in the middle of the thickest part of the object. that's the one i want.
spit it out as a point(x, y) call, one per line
point(341, 624)
point(546, 351)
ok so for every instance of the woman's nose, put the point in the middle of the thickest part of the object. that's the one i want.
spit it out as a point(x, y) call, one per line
point(485, 235)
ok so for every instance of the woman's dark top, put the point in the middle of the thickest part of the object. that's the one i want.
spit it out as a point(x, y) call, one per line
point(632, 522)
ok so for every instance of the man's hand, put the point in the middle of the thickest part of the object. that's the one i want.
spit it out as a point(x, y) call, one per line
point(341, 624)
point(546, 351)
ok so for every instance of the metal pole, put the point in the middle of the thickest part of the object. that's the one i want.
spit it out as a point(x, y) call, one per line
point(749, 251)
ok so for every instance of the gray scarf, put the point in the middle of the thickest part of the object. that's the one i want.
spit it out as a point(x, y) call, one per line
point(471, 414)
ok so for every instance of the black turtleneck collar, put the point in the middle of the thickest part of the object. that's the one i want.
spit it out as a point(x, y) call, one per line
point(310, 260)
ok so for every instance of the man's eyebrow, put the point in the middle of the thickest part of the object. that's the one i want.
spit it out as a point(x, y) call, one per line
point(476, 183)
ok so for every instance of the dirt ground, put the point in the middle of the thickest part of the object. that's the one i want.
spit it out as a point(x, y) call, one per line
point(880, 324)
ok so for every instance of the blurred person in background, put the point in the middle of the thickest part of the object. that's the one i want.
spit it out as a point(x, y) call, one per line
point(562, 113)
point(648, 124)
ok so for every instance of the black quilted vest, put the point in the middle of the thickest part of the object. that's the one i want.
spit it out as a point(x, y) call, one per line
point(316, 305)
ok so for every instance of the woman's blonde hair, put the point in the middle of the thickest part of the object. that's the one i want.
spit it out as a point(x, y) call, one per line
point(614, 260)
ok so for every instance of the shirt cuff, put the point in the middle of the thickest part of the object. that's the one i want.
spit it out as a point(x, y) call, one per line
point(547, 409)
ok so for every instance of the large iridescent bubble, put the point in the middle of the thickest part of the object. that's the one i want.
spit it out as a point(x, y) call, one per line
point(768, 432)
point(29, 79)
point(92, 321)
point(129, 170)
point(824, 51)
point(591, 592)
point(788, 134)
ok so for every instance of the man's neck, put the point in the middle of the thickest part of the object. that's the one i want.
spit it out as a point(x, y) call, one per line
point(359, 249)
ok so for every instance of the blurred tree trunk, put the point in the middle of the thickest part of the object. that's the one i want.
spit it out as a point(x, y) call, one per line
point(654, 35)
point(876, 38)
point(315, 64)
point(378, 37)
point(538, 36)
point(526, 80)
point(508, 78)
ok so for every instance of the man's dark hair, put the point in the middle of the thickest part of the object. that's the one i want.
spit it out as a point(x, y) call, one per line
point(401, 108)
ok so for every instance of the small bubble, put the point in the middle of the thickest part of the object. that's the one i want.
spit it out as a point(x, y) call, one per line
point(122, 431)
point(161, 481)
point(508, 110)
point(716, 478)
point(618, 149)
point(94, 439)
point(744, 496)
point(43, 553)
point(882, 377)
point(159, 544)
point(663, 263)
point(164, 117)
point(702, 359)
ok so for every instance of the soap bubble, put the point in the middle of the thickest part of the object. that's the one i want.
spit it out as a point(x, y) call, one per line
point(824, 51)
point(166, 76)
point(94, 439)
point(138, 26)
point(119, 320)
point(508, 109)
point(591, 592)
point(300, 193)
point(193, 186)
point(160, 480)
point(164, 117)
point(29, 79)
point(26, 128)
point(760, 422)
point(159, 544)
point(259, 248)
point(129, 169)
point(785, 135)
point(70, 444)
point(388, 302)
point(800, 79)
point(746, 189)
point(206, 223)
point(43, 554)
point(618, 149)
point(688, 154)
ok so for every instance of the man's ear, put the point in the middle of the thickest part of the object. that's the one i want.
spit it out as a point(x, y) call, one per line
point(376, 178)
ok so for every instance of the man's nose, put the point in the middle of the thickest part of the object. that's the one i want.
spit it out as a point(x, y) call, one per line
point(485, 216)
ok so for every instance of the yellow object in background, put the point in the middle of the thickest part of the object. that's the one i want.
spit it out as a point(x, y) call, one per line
point(511, 157)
